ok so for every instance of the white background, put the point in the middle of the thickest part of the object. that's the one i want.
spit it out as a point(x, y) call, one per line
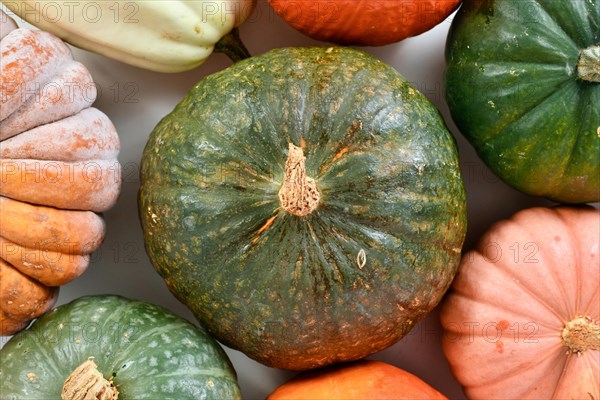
point(136, 100)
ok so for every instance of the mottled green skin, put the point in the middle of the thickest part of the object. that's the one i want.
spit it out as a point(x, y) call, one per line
point(293, 295)
point(152, 353)
point(513, 90)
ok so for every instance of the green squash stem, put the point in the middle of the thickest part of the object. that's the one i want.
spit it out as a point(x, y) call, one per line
point(86, 382)
point(232, 46)
point(581, 334)
point(588, 66)
point(298, 194)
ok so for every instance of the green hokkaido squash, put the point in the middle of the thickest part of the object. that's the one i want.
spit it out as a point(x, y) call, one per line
point(523, 86)
point(102, 343)
point(306, 205)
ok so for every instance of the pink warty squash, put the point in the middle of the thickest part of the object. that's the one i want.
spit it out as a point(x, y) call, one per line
point(58, 169)
point(522, 318)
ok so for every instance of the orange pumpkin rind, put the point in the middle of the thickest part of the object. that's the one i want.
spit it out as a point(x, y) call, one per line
point(363, 379)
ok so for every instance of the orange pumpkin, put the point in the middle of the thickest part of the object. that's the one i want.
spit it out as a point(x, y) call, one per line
point(364, 379)
point(58, 169)
point(521, 319)
point(364, 23)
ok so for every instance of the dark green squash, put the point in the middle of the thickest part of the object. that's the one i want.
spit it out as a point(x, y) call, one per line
point(370, 230)
point(143, 350)
point(523, 86)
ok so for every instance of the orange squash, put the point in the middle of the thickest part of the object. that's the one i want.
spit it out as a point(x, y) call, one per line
point(364, 379)
point(58, 169)
point(522, 318)
point(364, 23)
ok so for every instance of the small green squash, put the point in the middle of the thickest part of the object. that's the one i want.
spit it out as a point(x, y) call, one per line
point(523, 86)
point(114, 344)
point(306, 205)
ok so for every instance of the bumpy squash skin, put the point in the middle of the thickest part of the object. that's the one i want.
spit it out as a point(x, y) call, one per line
point(152, 353)
point(289, 291)
point(513, 91)
point(22, 298)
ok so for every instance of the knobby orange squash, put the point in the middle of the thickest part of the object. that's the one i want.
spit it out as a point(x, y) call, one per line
point(365, 23)
point(58, 169)
point(521, 319)
point(365, 379)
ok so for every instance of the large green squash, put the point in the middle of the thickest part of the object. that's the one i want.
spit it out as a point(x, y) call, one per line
point(523, 85)
point(306, 204)
point(142, 350)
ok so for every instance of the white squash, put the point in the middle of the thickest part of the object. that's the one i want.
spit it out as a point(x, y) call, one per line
point(165, 36)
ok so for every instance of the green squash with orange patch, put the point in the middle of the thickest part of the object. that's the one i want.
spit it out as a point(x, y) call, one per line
point(306, 205)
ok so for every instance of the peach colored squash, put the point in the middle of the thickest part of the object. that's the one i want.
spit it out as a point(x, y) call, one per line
point(522, 318)
point(364, 379)
point(58, 169)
